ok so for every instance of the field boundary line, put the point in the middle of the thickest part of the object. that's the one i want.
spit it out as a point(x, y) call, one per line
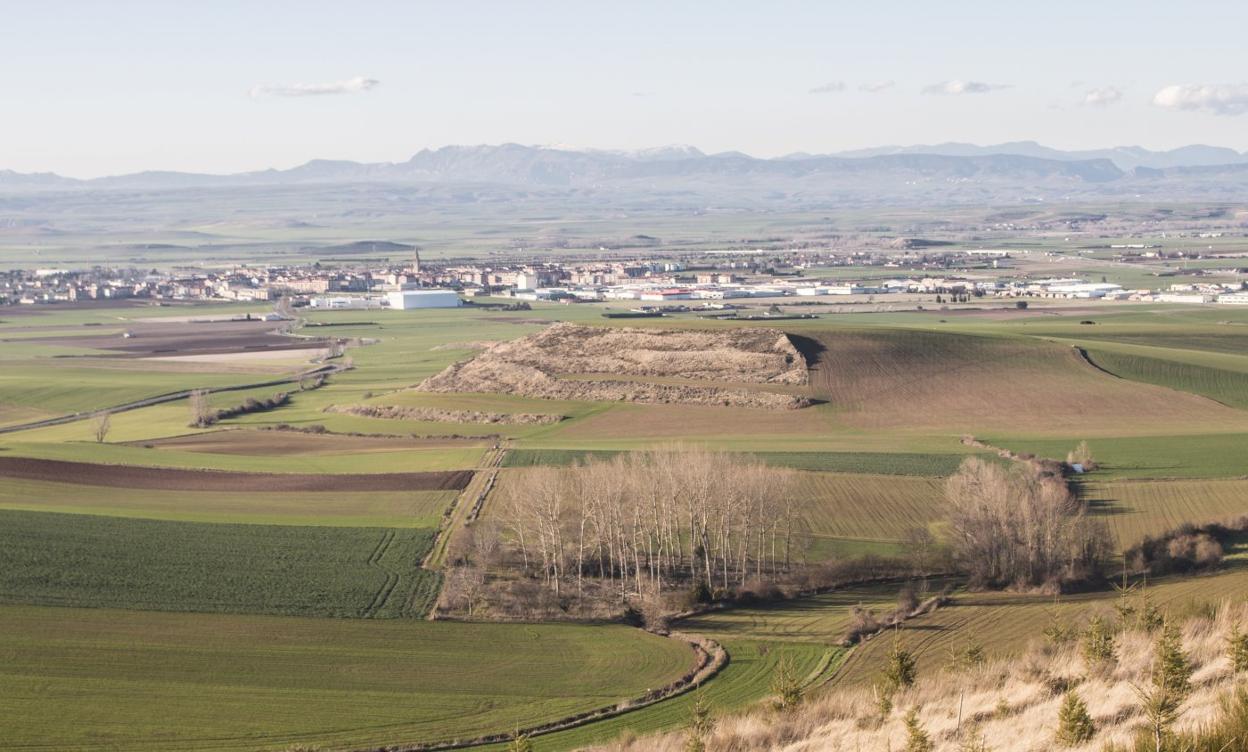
point(711, 659)
point(1086, 357)
point(462, 510)
point(325, 370)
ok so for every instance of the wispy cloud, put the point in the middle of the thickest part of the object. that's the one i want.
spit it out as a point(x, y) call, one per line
point(875, 87)
point(1220, 99)
point(1102, 96)
point(831, 87)
point(349, 86)
point(957, 87)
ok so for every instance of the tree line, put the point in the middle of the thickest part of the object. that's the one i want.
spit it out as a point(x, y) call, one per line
point(648, 521)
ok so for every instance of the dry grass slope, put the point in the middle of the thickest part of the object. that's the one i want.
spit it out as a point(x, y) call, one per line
point(1003, 623)
point(1013, 703)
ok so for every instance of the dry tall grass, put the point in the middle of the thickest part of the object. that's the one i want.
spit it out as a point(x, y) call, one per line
point(1012, 704)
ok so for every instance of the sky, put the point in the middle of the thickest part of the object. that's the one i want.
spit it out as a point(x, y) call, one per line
point(91, 88)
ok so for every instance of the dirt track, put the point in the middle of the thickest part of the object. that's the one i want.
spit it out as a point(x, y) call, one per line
point(178, 479)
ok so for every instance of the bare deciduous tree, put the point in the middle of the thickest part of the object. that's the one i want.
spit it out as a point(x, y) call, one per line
point(201, 413)
point(646, 521)
point(1013, 526)
point(103, 424)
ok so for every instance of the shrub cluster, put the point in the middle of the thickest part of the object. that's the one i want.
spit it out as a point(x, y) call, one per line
point(1185, 549)
point(250, 405)
point(1022, 527)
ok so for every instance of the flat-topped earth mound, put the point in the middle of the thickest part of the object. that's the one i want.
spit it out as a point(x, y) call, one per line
point(177, 479)
point(574, 362)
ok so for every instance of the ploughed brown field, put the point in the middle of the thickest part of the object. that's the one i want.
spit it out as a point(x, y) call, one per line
point(149, 339)
point(176, 479)
point(294, 443)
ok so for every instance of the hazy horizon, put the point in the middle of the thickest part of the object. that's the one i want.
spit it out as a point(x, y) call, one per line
point(142, 85)
point(639, 151)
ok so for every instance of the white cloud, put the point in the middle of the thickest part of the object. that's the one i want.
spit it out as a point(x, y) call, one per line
point(1220, 99)
point(1102, 96)
point(957, 87)
point(831, 87)
point(349, 86)
point(875, 87)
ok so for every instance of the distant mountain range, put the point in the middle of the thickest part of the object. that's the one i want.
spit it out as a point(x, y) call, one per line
point(1124, 157)
point(958, 172)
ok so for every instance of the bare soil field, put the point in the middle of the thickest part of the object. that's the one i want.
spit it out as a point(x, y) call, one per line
point(268, 354)
point(643, 421)
point(77, 305)
point(927, 380)
point(294, 443)
point(532, 366)
point(150, 338)
point(171, 479)
point(231, 364)
point(438, 415)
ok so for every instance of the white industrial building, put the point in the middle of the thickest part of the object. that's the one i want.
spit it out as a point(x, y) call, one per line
point(345, 302)
point(405, 300)
point(1084, 289)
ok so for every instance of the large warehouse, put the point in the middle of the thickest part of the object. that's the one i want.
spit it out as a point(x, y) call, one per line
point(408, 299)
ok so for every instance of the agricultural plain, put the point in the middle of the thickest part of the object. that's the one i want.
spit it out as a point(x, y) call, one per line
point(90, 679)
point(169, 571)
point(311, 570)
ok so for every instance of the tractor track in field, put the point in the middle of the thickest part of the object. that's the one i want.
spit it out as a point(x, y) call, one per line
point(392, 579)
